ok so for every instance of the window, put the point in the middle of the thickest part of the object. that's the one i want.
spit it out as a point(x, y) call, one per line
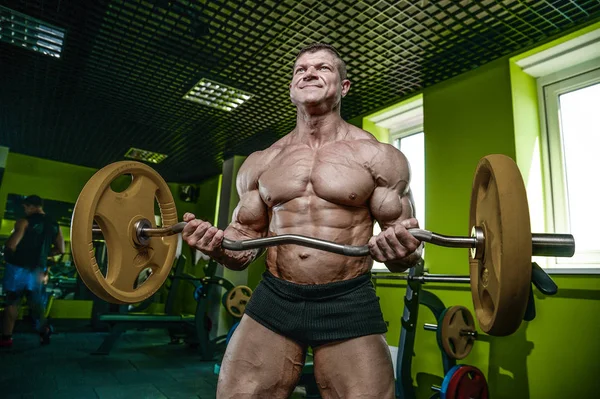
point(568, 80)
point(572, 142)
point(413, 147)
point(404, 123)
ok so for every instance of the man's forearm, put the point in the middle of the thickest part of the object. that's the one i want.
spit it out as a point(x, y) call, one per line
point(235, 260)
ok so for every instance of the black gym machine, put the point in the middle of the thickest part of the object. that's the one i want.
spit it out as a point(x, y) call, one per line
point(416, 295)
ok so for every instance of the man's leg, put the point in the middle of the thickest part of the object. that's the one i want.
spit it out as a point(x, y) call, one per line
point(37, 310)
point(11, 311)
point(355, 368)
point(259, 363)
point(36, 299)
point(13, 284)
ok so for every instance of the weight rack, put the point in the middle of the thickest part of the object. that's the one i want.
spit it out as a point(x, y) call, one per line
point(416, 295)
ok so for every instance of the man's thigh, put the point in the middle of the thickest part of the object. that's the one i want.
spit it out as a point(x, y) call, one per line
point(15, 279)
point(259, 363)
point(356, 368)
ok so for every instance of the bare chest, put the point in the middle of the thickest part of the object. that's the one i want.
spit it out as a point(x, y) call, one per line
point(334, 173)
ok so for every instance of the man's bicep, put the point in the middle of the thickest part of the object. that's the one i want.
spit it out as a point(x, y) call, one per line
point(389, 206)
point(250, 218)
point(392, 199)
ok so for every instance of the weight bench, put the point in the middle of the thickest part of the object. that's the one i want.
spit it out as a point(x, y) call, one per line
point(124, 320)
point(191, 327)
point(119, 323)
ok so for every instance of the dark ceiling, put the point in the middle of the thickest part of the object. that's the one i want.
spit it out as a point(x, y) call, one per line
point(126, 65)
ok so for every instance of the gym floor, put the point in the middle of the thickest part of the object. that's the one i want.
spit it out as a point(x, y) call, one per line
point(142, 365)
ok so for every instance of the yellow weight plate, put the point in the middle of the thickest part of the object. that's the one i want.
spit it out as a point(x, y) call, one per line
point(237, 299)
point(501, 278)
point(456, 321)
point(116, 213)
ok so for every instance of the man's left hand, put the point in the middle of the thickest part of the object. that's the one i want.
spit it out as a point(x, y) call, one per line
point(395, 242)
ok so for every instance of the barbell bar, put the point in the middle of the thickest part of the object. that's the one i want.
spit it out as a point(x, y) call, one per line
point(434, 327)
point(543, 244)
point(428, 278)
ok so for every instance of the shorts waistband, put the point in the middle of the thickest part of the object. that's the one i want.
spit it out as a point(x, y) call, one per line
point(311, 291)
point(30, 268)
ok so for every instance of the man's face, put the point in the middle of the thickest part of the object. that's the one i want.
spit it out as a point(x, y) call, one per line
point(316, 80)
point(29, 209)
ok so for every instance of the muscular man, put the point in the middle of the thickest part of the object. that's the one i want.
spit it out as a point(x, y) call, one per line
point(330, 180)
point(34, 238)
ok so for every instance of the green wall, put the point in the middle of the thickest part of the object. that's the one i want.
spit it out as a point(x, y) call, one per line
point(494, 110)
point(27, 175)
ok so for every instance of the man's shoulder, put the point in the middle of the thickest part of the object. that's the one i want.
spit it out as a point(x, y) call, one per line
point(383, 159)
point(366, 141)
point(255, 164)
point(265, 156)
point(260, 158)
point(22, 223)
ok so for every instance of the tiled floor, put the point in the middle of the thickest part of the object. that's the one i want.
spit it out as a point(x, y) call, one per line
point(142, 366)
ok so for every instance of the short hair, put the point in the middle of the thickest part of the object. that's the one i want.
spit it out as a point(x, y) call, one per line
point(314, 47)
point(34, 200)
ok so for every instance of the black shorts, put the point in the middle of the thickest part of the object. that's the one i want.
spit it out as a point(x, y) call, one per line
point(317, 314)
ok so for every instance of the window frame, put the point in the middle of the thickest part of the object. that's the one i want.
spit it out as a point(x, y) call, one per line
point(550, 87)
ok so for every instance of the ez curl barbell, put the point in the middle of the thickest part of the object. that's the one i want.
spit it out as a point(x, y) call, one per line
point(501, 243)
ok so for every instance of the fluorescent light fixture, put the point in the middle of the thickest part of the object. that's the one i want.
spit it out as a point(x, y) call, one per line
point(216, 95)
point(33, 34)
point(144, 155)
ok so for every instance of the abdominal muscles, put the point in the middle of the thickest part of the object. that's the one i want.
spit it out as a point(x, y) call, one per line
point(315, 217)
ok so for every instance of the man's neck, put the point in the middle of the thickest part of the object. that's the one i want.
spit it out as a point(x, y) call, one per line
point(318, 129)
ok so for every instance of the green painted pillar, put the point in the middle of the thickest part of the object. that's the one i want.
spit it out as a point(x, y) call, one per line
point(3, 160)
point(228, 200)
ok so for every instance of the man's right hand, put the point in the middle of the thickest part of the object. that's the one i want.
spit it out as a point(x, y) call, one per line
point(202, 235)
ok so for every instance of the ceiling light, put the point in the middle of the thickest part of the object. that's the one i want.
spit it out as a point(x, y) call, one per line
point(144, 155)
point(216, 95)
point(33, 34)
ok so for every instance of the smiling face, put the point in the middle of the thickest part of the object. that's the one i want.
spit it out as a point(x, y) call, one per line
point(316, 80)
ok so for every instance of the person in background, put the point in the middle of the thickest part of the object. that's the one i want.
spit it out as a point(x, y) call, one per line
point(33, 240)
